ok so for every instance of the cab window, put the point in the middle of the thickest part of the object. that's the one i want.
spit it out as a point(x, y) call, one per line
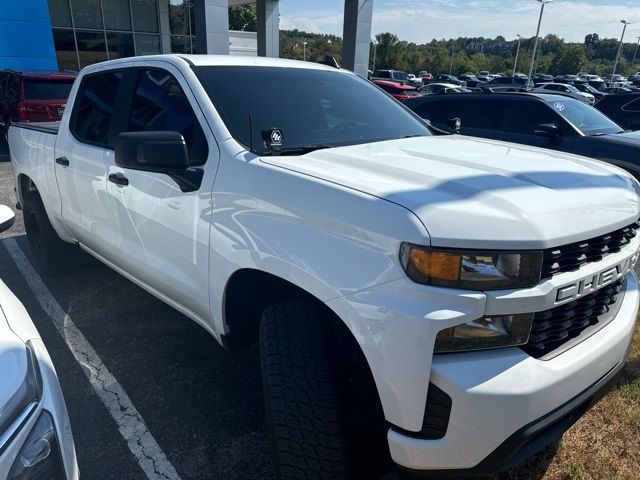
point(160, 104)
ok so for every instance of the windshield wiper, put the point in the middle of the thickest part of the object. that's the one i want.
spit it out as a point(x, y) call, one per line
point(297, 150)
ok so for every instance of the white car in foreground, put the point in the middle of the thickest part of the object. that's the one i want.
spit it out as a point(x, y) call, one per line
point(568, 90)
point(35, 435)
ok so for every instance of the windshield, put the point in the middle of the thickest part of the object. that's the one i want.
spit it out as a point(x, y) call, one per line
point(45, 90)
point(585, 118)
point(400, 76)
point(309, 107)
point(572, 89)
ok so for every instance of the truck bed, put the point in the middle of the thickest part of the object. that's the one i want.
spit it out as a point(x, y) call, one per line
point(45, 127)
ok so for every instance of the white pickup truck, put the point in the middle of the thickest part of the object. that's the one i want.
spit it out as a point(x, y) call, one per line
point(456, 302)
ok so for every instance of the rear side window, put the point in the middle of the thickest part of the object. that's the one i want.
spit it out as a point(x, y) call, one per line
point(37, 90)
point(160, 104)
point(93, 110)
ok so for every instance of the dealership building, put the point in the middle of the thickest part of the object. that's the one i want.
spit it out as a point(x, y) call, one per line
point(71, 34)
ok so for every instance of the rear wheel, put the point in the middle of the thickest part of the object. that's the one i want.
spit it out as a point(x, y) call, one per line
point(51, 255)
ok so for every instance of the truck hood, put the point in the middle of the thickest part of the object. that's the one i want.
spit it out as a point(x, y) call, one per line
point(476, 193)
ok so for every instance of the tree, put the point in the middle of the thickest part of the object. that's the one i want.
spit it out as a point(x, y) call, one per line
point(243, 18)
point(571, 61)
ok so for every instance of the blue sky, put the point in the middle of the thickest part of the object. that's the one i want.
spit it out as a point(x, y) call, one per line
point(421, 20)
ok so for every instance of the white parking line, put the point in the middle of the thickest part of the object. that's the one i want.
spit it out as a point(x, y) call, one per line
point(141, 443)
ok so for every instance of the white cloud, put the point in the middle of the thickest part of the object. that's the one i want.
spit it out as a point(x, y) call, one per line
point(422, 20)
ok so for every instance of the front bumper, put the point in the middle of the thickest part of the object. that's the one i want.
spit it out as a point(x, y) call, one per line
point(507, 405)
point(52, 403)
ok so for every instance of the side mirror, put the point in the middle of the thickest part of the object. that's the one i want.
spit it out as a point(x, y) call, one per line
point(548, 130)
point(7, 217)
point(454, 124)
point(161, 152)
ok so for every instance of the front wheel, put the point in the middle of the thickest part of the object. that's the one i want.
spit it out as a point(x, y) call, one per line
point(51, 255)
point(301, 393)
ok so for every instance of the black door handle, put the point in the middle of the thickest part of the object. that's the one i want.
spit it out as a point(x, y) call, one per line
point(62, 161)
point(118, 179)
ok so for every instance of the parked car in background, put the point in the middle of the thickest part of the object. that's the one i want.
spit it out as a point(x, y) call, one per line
point(35, 434)
point(444, 78)
point(616, 80)
point(391, 75)
point(413, 80)
point(399, 91)
point(569, 79)
point(587, 88)
point(594, 80)
point(635, 78)
point(471, 80)
point(510, 82)
point(616, 90)
point(424, 75)
point(440, 88)
point(623, 108)
point(540, 120)
point(542, 78)
point(566, 89)
point(33, 96)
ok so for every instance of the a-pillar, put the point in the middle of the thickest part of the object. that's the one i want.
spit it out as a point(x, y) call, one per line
point(212, 26)
point(268, 28)
point(356, 37)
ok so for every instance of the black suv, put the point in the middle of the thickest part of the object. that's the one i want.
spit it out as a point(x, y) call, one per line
point(541, 120)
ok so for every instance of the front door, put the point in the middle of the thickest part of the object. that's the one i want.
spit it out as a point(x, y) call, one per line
point(160, 233)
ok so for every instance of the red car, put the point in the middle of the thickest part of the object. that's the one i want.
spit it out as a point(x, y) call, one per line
point(33, 96)
point(397, 90)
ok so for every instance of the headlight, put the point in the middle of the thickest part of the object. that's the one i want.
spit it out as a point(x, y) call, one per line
point(40, 457)
point(14, 412)
point(487, 332)
point(472, 270)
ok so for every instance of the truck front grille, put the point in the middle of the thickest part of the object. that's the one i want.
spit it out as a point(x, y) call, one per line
point(571, 257)
point(558, 326)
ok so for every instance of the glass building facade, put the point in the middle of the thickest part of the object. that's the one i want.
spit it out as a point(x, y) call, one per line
point(90, 31)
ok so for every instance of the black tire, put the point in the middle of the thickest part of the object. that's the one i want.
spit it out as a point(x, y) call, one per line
point(51, 255)
point(301, 395)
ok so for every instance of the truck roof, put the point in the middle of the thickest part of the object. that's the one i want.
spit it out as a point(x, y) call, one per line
point(215, 60)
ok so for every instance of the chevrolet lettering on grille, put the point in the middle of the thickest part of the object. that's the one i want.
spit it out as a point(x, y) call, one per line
point(596, 281)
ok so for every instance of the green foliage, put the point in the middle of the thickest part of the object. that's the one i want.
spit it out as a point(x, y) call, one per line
point(243, 17)
point(572, 60)
point(470, 55)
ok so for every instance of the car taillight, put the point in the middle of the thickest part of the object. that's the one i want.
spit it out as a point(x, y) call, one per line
point(23, 115)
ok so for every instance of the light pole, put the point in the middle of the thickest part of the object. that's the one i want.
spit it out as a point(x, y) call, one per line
point(535, 45)
point(453, 47)
point(635, 53)
point(515, 64)
point(375, 51)
point(304, 50)
point(615, 65)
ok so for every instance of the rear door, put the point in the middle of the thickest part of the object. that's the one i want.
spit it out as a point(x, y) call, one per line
point(160, 233)
point(84, 150)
